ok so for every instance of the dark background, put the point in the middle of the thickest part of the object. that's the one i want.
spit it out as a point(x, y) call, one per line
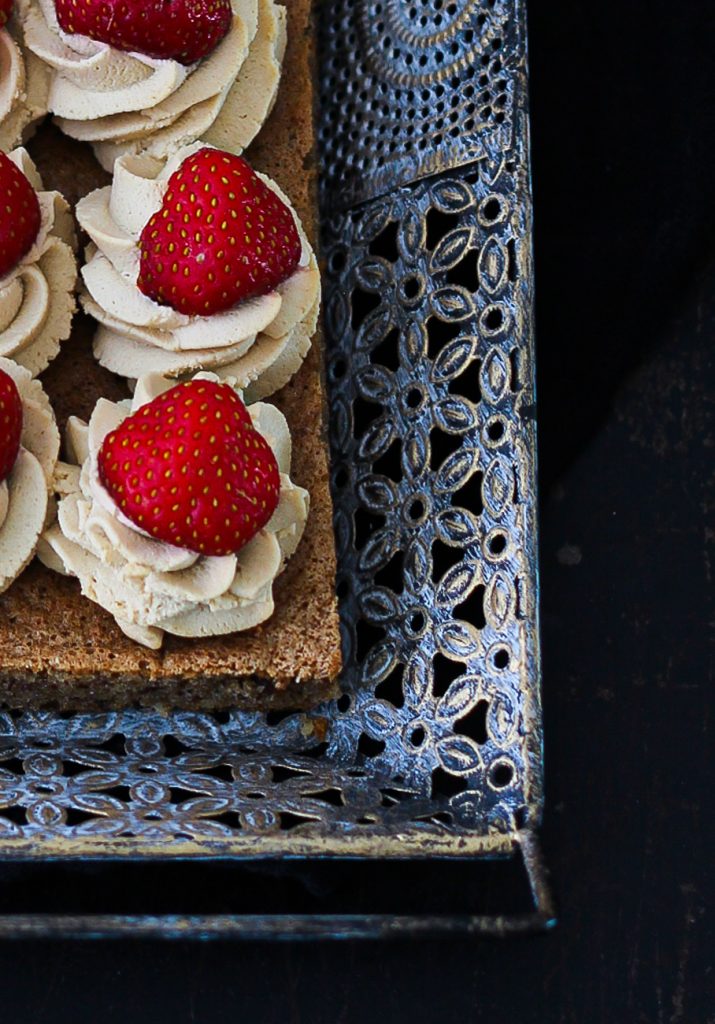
point(623, 98)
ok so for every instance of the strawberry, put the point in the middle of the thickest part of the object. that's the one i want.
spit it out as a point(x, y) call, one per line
point(10, 424)
point(181, 30)
point(221, 236)
point(5, 11)
point(190, 469)
point(19, 215)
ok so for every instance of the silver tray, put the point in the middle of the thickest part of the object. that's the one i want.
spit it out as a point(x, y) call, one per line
point(434, 748)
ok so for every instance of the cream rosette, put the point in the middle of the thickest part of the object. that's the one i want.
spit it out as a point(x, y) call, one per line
point(25, 502)
point(24, 86)
point(258, 344)
point(37, 300)
point(126, 103)
point(149, 586)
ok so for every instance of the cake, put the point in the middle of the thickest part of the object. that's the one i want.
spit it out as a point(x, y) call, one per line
point(177, 512)
point(64, 651)
point(37, 286)
point(126, 102)
point(24, 84)
point(257, 342)
point(29, 446)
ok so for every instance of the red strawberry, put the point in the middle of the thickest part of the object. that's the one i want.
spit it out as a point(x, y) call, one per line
point(183, 30)
point(10, 424)
point(5, 11)
point(19, 215)
point(221, 236)
point(190, 469)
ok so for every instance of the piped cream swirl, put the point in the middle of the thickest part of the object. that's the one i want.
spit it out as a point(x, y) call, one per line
point(126, 103)
point(25, 494)
point(258, 345)
point(37, 300)
point(149, 586)
point(24, 87)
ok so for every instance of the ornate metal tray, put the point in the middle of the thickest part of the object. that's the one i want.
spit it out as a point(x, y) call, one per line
point(434, 748)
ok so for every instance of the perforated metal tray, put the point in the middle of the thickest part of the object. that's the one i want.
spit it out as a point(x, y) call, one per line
point(434, 748)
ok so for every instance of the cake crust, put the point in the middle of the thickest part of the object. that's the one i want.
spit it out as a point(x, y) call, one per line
point(61, 650)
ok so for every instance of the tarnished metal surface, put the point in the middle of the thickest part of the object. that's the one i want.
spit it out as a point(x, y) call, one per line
point(414, 87)
point(222, 926)
point(435, 744)
point(300, 924)
point(431, 404)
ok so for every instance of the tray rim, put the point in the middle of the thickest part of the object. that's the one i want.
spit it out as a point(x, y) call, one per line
point(301, 926)
point(403, 845)
point(410, 842)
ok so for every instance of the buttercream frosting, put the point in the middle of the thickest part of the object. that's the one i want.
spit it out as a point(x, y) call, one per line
point(37, 299)
point(258, 345)
point(149, 586)
point(25, 494)
point(128, 103)
point(24, 87)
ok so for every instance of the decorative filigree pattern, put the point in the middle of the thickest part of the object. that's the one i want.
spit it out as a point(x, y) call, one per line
point(413, 87)
point(432, 396)
point(436, 738)
point(119, 775)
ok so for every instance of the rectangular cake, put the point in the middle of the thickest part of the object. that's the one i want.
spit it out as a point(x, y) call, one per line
point(60, 650)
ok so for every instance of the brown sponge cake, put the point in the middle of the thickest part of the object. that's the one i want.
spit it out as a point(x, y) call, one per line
point(63, 651)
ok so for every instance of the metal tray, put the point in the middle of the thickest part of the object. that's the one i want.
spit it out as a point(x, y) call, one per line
point(434, 748)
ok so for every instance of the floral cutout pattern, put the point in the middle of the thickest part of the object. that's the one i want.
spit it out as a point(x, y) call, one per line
point(430, 377)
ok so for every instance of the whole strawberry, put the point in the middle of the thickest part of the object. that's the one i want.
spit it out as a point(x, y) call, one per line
point(181, 30)
point(10, 424)
point(19, 215)
point(220, 237)
point(190, 469)
point(5, 11)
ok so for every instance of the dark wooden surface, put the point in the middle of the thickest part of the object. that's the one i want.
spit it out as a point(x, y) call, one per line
point(624, 160)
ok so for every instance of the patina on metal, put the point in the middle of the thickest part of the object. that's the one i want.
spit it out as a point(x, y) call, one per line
point(415, 87)
point(434, 747)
